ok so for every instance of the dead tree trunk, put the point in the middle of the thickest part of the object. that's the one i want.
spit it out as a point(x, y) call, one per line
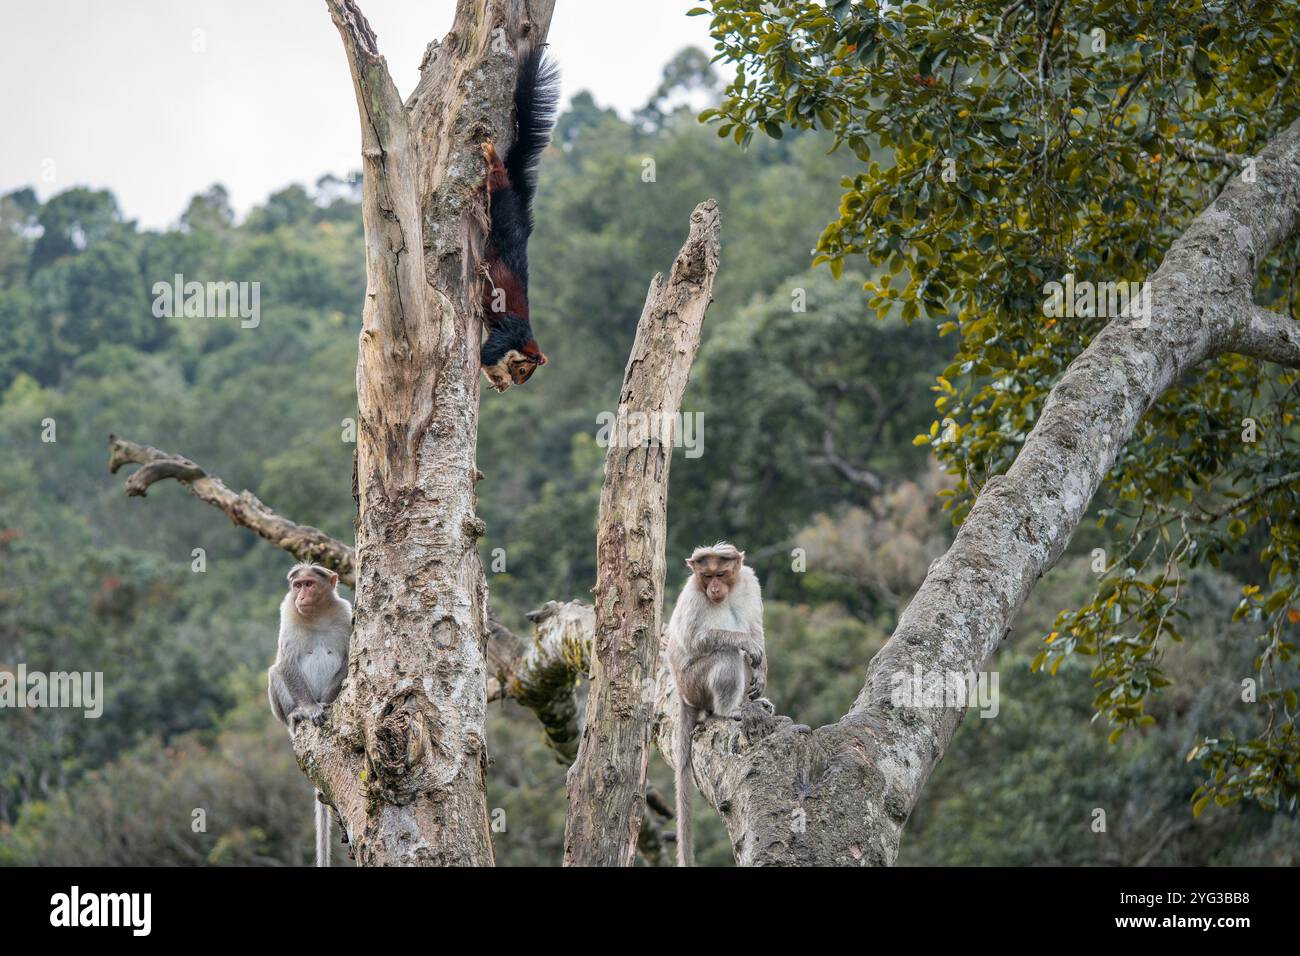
point(403, 755)
point(607, 782)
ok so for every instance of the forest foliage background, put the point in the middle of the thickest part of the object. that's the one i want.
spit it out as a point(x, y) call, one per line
point(804, 412)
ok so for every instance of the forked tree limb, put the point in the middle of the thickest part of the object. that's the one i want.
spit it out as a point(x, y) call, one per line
point(607, 781)
point(411, 720)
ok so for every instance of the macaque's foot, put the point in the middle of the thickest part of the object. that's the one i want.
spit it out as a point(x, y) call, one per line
point(314, 713)
point(756, 718)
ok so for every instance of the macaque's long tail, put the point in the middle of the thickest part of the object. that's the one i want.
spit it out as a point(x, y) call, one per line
point(322, 831)
point(682, 756)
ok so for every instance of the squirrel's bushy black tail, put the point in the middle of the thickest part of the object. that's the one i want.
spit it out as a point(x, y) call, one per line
point(537, 101)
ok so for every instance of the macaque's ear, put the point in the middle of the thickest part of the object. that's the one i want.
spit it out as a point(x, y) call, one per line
point(740, 558)
point(690, 564)
point(334, 580)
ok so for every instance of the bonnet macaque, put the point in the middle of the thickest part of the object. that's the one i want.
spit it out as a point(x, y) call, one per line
point(717, 657)
point(311, 662)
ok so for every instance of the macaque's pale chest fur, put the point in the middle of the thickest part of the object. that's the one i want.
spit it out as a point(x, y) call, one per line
point(723, 616)
point(322, 642)
point(319, 667)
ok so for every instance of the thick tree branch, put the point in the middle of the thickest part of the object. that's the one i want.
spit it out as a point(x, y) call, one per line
point(606, 783)
point(389, 198)
point(302, 541)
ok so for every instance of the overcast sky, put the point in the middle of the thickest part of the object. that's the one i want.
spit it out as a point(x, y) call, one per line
point(158, 99)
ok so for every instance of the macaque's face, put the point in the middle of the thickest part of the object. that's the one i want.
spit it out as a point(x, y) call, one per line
point(715, 576)
point(310, 590)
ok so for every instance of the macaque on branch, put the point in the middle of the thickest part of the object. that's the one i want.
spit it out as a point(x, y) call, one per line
point(717, 657)
point(311, 662)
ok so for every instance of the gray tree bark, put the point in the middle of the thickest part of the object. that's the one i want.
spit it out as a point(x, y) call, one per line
point(303, 541)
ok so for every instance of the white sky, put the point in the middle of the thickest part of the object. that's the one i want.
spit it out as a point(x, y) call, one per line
point(112, 94)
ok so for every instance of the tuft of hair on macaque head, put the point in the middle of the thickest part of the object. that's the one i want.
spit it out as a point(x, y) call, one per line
point(312, 587)
point(716, 569)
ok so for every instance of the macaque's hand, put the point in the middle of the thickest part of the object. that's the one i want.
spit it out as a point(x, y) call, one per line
point(312, 712)
point(757, 677)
